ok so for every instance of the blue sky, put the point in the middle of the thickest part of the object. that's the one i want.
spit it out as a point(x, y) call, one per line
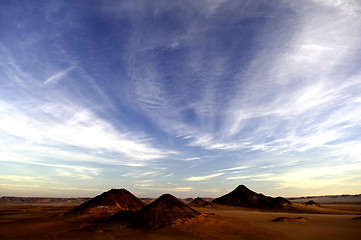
point(190, 98)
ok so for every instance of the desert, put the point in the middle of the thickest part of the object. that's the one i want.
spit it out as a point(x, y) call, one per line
point(180, 119)
point(248, 215)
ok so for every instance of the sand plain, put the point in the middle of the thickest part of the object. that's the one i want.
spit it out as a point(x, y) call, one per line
point(45, 221)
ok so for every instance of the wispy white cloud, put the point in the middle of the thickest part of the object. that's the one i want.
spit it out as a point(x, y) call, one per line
point(202, 178)
point(56, 123)
point(234, 168)
point(165, 189)
point(238, 177)
point(296, 101)
point(146, 174)
point(287, 99)
point(192, 159)
point(54, 79)
point(144, 184)
point(21, 178)
point(183, 189)
point(38, 188)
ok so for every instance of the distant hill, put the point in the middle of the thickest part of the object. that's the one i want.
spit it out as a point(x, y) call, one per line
point(312, 203)
point(345, 198)
point(108, 203)
point(197, 202)
point(200, 202)
point(164, 211)
point(244, 197)
point(147, 200)
point(31, 200)
point(188, 200)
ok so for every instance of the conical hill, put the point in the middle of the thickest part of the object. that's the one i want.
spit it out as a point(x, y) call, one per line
point(164, 211)
point(200, 202)
point(108, 203)
point(244, 197)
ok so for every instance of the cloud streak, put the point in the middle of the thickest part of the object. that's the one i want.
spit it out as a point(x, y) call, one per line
point(202, 178)
point(285, 97)
point(72, 126)
point(54, 79)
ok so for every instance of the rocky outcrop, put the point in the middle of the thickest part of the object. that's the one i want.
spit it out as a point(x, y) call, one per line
point(108, 203)
point(244, 197)
point(164, 211)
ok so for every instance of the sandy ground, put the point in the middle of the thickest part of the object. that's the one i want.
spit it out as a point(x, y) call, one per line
point(317, 226)
point(41, 221)
point(344, 206)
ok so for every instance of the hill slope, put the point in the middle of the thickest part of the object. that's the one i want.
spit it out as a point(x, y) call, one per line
point(244, 197)
point(164, 211)
point(108, 203)
point(200, 202)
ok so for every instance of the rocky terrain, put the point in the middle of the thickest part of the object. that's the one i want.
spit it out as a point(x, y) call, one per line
point(345, 198)
point(244, 197)
point(164, 211)
point(200, 202)
point(108, 203)
point(32, 200)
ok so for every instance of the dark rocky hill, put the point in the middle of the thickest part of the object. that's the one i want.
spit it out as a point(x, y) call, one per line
point(197, 202)
point(164, 211)
point(244, 197)
point(200, 202)
point(312, 203)
point(108, 203)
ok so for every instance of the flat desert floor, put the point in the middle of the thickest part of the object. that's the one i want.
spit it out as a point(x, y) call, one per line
point(45, 221)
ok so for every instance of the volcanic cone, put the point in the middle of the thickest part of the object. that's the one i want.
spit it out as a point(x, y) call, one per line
point(108, 203)
point(164, 211)
point(243, 197)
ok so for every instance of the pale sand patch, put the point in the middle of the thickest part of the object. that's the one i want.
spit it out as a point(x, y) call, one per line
point(317, 226)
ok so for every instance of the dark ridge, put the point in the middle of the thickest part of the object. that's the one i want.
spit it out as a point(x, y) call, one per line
point(312, 203)
point(197, 202)
point(281, 200)
point(208, 204)
point(147, 200)
point(187, 200)
point(164, 211)
point(285, 219)
point(357, 218)
point(327, 196)
point(50, 200)
point(200, 202)
point(108, 203)
point(244, 197)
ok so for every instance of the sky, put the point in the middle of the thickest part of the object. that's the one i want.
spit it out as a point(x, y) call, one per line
point(191, 98)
